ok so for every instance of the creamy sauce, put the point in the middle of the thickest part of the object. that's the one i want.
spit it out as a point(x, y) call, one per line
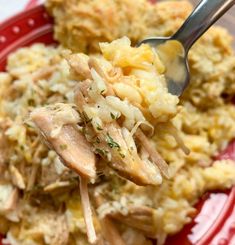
point(171, 53)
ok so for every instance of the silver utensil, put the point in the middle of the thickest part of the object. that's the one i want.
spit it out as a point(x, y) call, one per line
point(206, 13)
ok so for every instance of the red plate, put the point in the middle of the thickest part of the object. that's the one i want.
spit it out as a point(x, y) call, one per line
point(215, 221)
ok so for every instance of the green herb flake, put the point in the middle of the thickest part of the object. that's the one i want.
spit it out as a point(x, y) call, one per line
point(122, 155)
point(63, 147)
point(112, 116)
point(112, 143)
point(30, 102)
point(97, 140)
point(89, 120)
point(98, 127)
point(28, 125)
point(36, 187)
point(101, 152)
point(83, 130)
point(85, 118)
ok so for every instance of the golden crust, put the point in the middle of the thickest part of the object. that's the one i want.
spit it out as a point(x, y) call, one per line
point(81, 25)
point(165, 18)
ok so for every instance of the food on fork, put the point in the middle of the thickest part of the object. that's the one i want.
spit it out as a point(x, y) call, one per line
point(120, 98)
point(116, 97)
point(109, 118)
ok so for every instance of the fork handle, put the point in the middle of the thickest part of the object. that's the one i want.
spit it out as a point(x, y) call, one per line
point(204, 15)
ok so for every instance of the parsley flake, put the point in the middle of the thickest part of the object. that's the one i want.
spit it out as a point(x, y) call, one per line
point(122, 155)
point(101, 151)
point(112, 143)
point(112, 116)
point(98, 127)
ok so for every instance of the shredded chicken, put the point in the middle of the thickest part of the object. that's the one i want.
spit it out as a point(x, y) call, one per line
point(43, 73)
point(73, 149)
point(108, 228)
point(8, 198)
point(69, 143)
point(79, 66)
point(56, 185)
point(117, 163)
point(154, 155)
point(112, 142)
point(112, 146)
point(32, 177)
point(140, 218)
point(127, 161)
point(110, 232)
point(169, 128)
point(17, 177)
point(86, 206)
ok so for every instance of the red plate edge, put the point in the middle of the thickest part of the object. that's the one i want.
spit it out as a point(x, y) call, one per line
point(23, 29)
point(35, 25)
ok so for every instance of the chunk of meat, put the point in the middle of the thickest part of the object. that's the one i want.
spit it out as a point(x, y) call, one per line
point(69, 143)
point(62, 134)
point(79, 66)
point(121, 157)
point(130, 164)
point(109, 140)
